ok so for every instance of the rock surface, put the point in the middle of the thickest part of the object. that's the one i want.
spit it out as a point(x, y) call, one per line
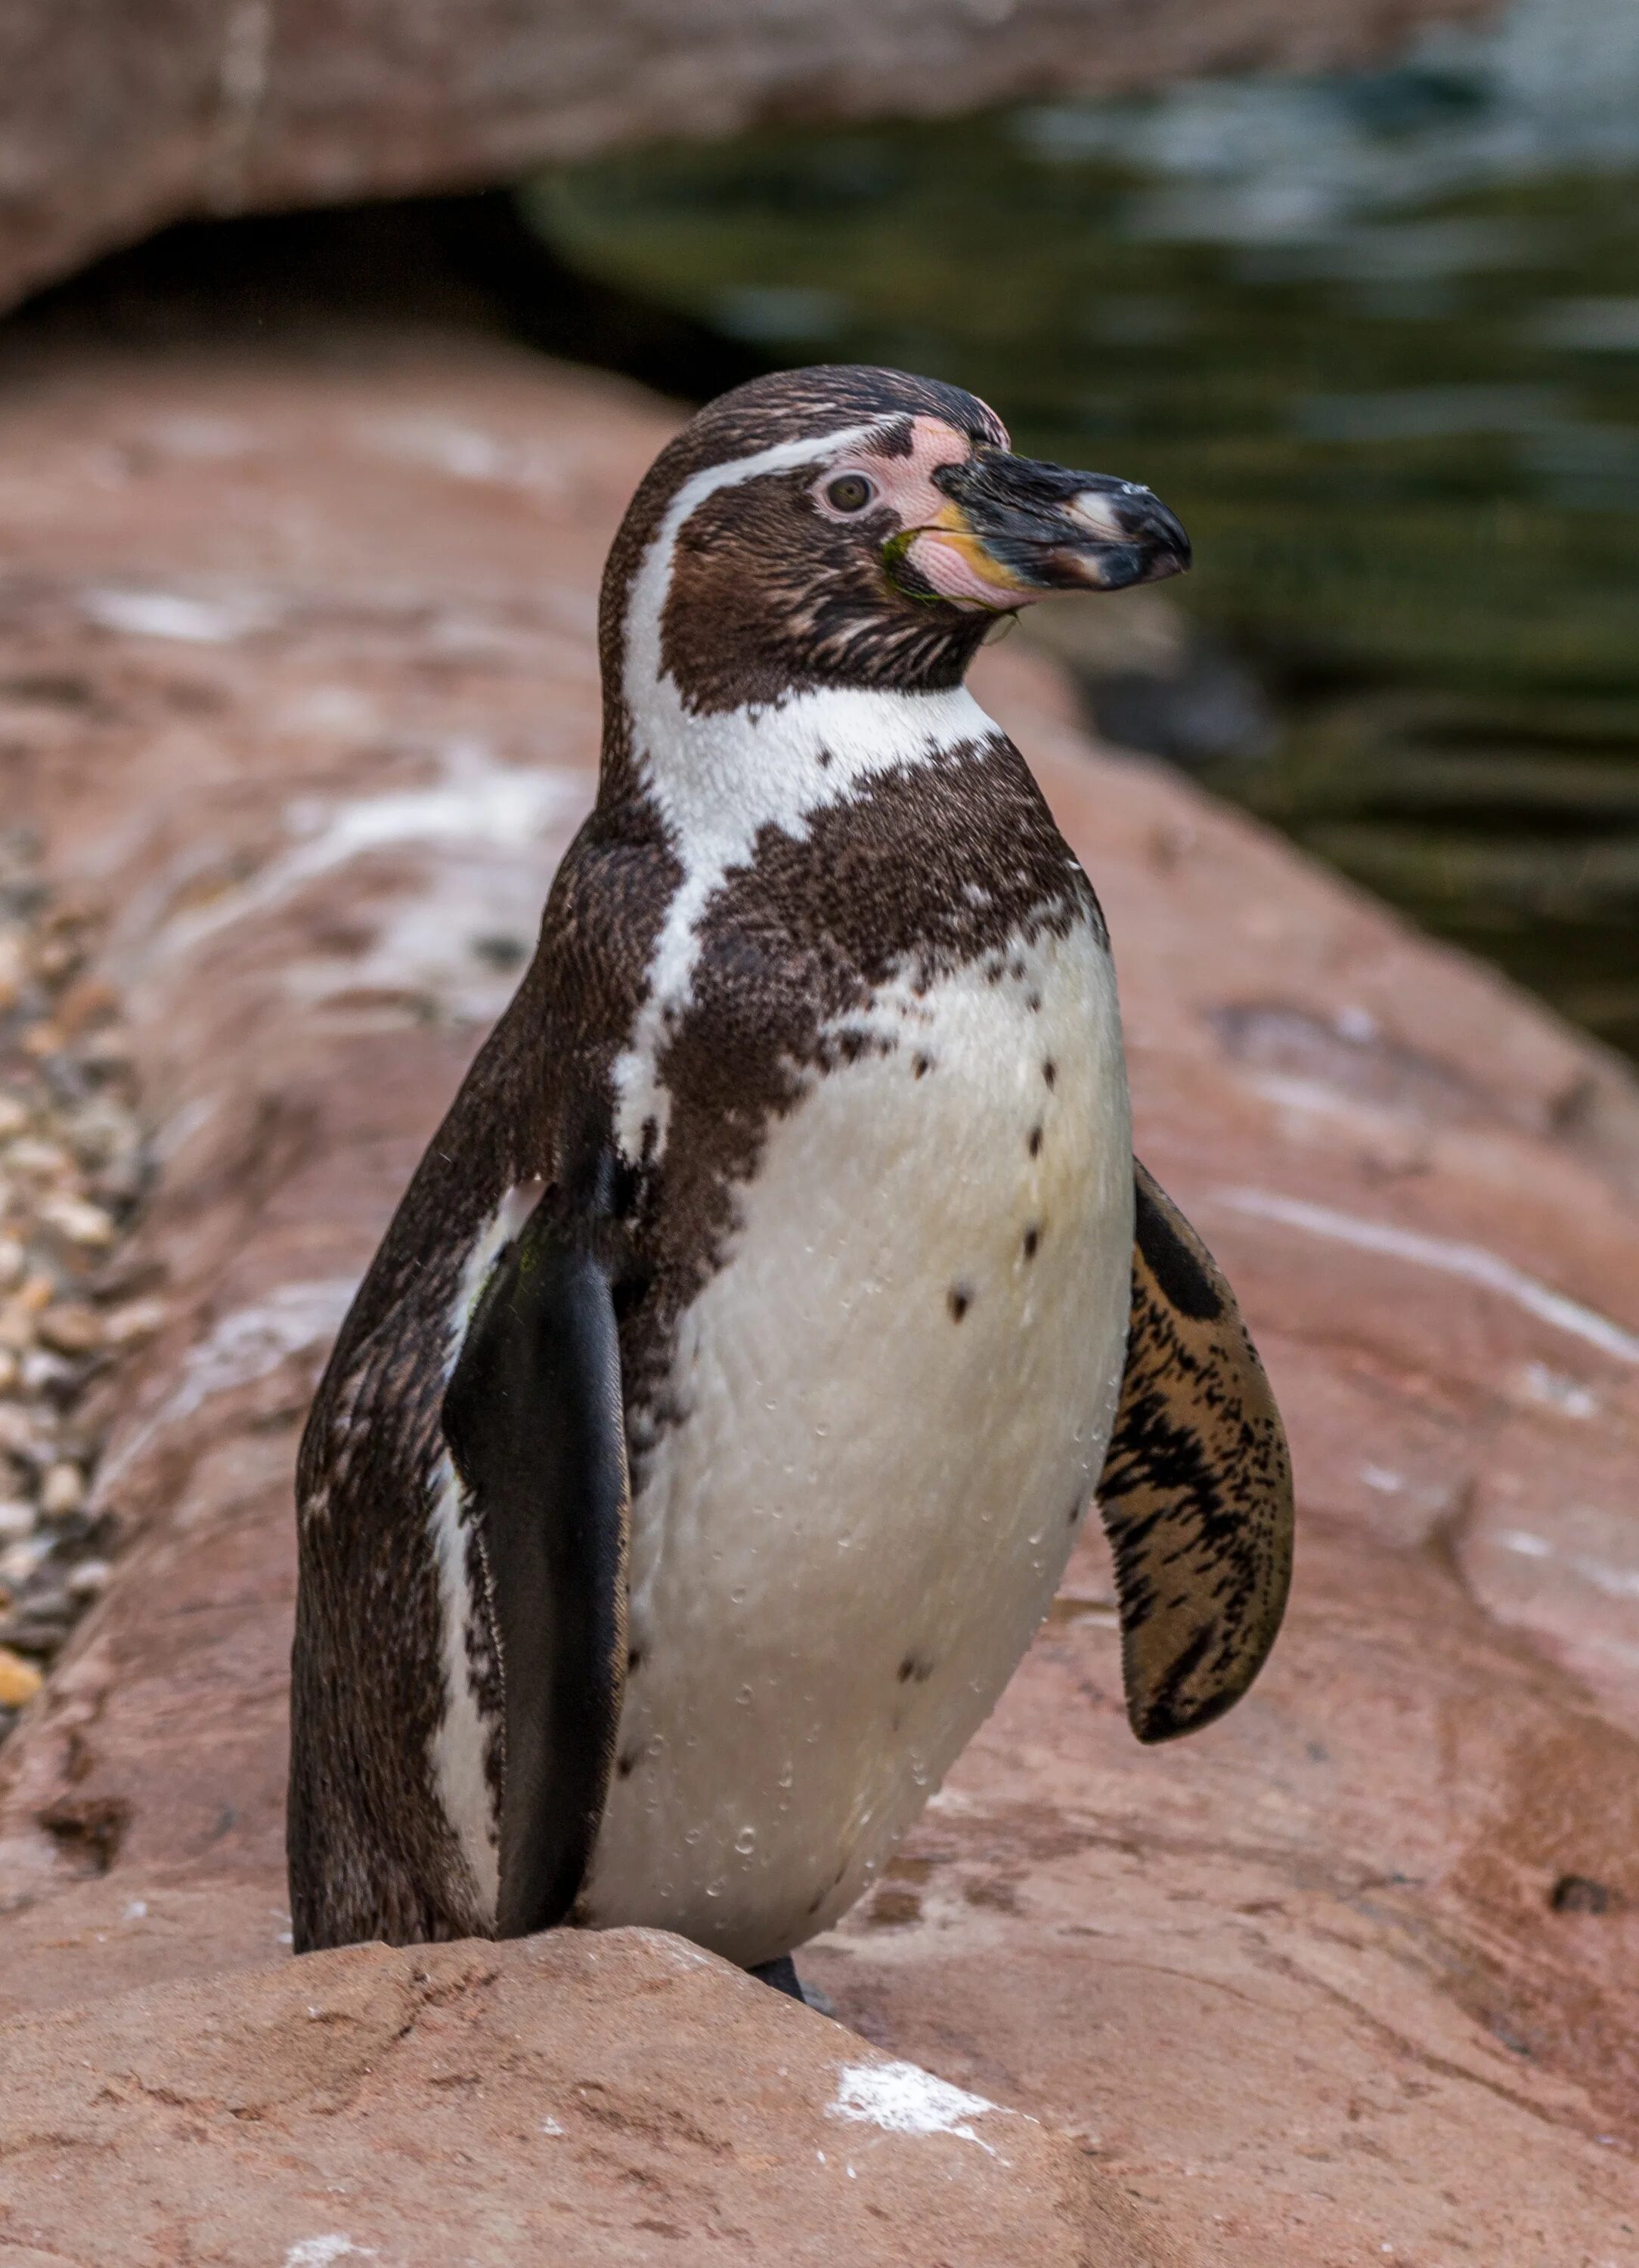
point(297, 672)
point(115, 121)
point(612, 2100)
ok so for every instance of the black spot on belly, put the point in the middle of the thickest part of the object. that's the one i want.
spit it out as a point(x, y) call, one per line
point(958, 1299)
point(1076, 1510)
point(923, 1065)
point(914, 1666)
point(627, 1764)
point(1033, 1003)
point(1033, 1238)
point(851, 1045)
point(1050, 1072)
point(634, 1660)
point(1035, 1142)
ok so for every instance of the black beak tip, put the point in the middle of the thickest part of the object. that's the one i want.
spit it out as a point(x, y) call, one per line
point(1142, 559)
point(1160, 533)
point(1170, 558)
point(1135, 538)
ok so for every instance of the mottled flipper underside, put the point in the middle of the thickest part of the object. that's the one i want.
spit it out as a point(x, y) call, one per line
point(1196, 1491)
point(534, 1422)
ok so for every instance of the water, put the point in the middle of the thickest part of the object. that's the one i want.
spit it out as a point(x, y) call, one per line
point(1375, 338)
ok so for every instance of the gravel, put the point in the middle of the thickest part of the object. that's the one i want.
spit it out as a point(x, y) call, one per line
point(73, 1173)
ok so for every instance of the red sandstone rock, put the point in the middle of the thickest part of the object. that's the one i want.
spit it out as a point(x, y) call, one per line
point(595, 2102)
point(114, 120)
point(296, 665)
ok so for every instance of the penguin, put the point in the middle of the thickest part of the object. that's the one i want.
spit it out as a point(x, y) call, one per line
point(711, 1432)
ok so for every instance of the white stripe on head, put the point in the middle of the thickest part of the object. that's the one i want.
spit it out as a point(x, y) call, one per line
point(719, 779)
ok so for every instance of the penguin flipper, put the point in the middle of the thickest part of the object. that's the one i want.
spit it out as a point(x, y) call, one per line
point(534, 1422)
point(1196, 1491)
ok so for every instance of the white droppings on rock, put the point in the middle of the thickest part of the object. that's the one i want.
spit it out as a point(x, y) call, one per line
point(1539, 1384)
point(248, 1344)
point(1471, 1263)
point(1528, 1546)
point(477, 800)
point(467, 452)
point(1615, 1582)
point(319, 2251)
point(902, 2098)
point(222, 620)
point(203, 439)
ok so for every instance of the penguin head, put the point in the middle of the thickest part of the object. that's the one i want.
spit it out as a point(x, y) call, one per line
point(846, 526)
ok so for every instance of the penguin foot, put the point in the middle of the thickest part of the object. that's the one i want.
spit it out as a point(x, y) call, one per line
point(782, 1974)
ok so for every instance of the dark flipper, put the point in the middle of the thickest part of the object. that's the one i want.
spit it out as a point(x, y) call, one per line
point(1196, 1491)
point(533, 1419)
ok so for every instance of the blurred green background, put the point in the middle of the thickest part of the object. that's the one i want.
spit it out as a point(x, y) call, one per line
point(1376, 339)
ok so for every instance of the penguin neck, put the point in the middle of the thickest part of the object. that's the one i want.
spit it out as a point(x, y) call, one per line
point(714, 774)
point(717, 786)
point(718, 780)
point(806, 735)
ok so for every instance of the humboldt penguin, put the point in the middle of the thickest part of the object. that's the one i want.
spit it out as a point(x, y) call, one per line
point(710, 1433)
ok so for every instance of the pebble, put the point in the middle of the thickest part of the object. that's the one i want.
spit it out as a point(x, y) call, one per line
point(70, 1328)
point(19, 1679)
point(36, 1159)
point(136, 1321)
point(79, 1222)
point(18, 1561)
point(63, 1492)
point(17, 1436)
point(89, 1579)
point(73, 1170)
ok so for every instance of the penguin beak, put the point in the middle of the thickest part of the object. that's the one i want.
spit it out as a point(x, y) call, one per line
point(1016, 529)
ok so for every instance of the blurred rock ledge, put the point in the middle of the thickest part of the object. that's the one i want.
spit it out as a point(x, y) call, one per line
point(116, 120)
point(297, 681)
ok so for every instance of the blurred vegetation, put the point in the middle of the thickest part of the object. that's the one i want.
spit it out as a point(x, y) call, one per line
point(1405, 440)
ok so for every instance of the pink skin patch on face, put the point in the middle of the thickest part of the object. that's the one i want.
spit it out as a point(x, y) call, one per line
point(954, 562)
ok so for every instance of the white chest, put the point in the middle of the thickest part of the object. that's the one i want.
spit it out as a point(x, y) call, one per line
point(897, 1395)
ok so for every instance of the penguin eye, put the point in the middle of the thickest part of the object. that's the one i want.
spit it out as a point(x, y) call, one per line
point(850, 492)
